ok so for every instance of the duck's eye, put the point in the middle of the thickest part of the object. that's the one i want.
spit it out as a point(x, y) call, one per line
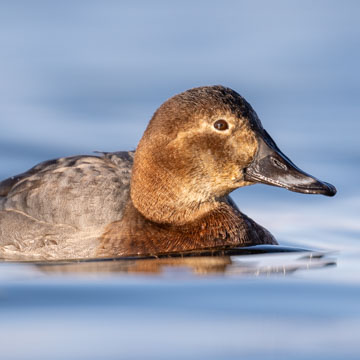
point(221, 125)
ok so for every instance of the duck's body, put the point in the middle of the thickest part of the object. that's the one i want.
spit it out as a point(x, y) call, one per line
point(59, 208)
point(91, 215)
point(172, 196)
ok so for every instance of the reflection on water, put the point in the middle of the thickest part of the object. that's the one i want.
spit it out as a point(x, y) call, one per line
point(263, 261)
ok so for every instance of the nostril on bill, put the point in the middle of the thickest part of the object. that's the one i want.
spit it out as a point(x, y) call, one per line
point(278, 163)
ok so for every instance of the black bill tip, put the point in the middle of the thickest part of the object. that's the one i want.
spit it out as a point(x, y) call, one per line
point(331, 190)
point(318, 187)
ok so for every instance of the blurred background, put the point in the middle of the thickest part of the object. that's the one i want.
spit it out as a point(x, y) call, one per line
point(79, 76)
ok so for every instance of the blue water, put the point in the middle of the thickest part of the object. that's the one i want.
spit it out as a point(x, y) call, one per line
point(86, 75)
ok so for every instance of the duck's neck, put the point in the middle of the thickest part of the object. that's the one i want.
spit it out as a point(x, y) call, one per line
point(168, 195)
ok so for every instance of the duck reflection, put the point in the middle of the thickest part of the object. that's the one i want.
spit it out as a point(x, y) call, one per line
point(235, 262)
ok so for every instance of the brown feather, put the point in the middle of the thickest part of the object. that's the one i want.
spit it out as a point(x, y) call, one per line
point(223, 227)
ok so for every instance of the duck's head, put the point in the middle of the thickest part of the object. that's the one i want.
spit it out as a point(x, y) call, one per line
point(199, 146)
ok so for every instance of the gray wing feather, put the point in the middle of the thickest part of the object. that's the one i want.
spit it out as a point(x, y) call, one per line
point(7, 184)
point(80, 191)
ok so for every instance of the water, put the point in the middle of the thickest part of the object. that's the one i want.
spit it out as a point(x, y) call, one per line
point(84, 76)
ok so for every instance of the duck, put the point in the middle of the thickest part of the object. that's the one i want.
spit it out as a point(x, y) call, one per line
point(169, 196)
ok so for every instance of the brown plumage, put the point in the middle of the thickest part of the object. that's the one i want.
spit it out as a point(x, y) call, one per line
point(171, 197)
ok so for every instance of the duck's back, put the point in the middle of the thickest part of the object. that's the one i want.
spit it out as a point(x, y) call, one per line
point(77, 193)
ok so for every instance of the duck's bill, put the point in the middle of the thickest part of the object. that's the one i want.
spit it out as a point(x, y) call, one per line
point(272, 167)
